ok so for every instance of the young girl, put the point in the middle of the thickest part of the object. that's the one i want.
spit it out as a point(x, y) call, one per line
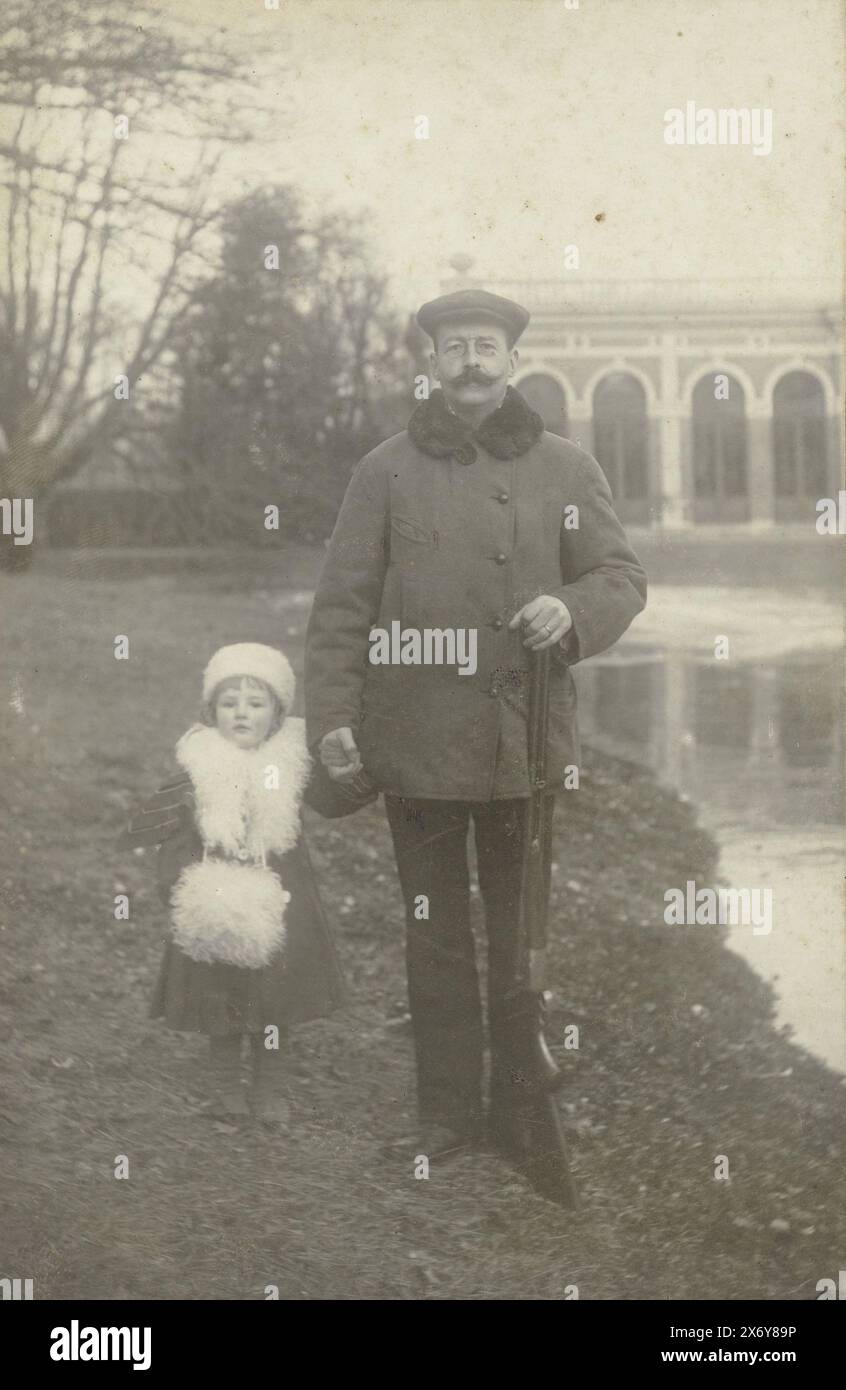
point(250, 949)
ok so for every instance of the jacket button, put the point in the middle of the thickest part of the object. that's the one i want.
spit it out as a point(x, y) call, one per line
point(497, 624)
point(501, 559)
point(503, 497)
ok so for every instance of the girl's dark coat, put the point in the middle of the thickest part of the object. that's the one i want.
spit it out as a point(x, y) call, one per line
point(304, 982)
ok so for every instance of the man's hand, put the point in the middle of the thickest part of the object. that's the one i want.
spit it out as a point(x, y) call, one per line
point(545, 621)
point(339, 755)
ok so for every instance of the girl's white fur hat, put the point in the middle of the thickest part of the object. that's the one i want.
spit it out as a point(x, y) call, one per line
point(252, 659)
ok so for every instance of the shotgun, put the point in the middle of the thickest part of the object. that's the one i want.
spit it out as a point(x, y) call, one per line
point(534, 887)
point(540, 1147)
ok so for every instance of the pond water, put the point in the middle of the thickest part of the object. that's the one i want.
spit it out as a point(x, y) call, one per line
point(757, 746)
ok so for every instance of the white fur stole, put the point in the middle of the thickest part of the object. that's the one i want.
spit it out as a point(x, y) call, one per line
point(247, 799)
point(247, 805)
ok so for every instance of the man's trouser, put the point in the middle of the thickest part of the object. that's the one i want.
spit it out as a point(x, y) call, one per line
point(430, 842)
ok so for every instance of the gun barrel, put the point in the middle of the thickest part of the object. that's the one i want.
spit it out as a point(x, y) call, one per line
point(537, 812)
point(534, 1127)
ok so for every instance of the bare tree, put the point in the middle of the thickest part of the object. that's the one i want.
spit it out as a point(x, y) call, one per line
point(108, 235)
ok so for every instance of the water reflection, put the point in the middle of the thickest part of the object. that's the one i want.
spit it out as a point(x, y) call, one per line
point(758, 748)
point(753, 744)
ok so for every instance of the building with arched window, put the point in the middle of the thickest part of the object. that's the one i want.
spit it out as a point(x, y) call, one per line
point(720, 450)
point(548, 397)
point(621, 443)
point(800, 455)
point(707, 404)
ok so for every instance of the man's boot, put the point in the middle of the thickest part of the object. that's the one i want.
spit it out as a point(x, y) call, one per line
point(436, 1142)
point(518, 1070)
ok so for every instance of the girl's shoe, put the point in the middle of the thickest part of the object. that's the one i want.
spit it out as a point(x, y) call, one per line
point(273, 1111)
point(229, 1101)
point(229, 1105)
point(270, 1103)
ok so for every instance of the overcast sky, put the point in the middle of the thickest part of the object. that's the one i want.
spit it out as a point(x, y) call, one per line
point(542, 117)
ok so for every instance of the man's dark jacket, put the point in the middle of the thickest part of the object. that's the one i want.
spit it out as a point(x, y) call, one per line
point(444, 527)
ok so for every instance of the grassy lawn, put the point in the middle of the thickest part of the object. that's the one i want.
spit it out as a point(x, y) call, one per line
point(679, 1058)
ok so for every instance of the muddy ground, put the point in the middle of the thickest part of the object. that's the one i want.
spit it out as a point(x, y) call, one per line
point(679, 1058)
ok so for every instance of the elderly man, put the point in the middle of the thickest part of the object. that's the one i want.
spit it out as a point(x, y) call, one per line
point(474, 523)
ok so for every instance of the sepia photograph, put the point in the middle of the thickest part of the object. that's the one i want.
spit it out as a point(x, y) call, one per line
point(422, 539)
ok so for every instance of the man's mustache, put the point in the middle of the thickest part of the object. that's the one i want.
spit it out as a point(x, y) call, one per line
point(472, 376)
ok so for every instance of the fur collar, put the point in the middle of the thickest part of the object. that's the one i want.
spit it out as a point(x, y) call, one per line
point(236, 811)
point(507, 433)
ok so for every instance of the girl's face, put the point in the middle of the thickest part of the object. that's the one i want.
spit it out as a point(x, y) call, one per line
point(244, 711)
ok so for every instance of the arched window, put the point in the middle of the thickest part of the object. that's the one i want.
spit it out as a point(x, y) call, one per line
point(799, 445)
point(720, 483)
point(547, 396)
point(620, 442)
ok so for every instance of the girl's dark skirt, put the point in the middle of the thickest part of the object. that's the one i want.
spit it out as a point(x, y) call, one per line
point(301, 983)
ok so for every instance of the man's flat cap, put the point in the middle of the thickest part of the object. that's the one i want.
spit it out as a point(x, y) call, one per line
point(478, 304)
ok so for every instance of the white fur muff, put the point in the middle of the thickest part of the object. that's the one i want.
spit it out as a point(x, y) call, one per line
point(229, 912)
